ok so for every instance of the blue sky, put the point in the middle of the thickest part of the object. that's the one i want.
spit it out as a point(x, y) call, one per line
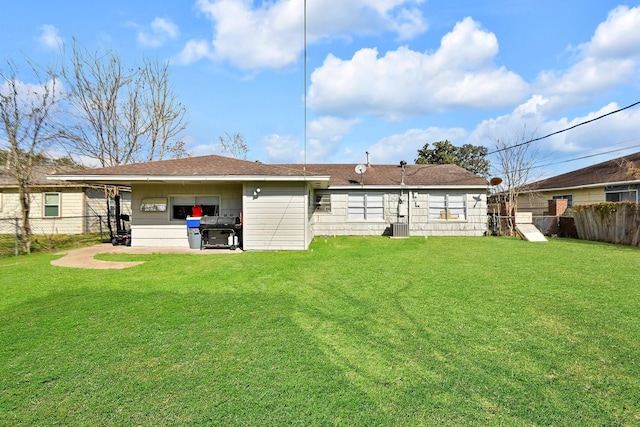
point(383, 76)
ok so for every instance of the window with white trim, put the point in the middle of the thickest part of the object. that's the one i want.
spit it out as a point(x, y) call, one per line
point(447, 207)
point(51, 205)
point(365, 207)
point(621, 196)
point(181, 206)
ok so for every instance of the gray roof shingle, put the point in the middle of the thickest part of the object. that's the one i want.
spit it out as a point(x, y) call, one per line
point(340, 174)
point(345, 175)
point(39, 177)
point(602, 173)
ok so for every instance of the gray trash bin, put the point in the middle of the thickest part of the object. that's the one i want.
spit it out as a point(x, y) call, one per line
point(194, 238)
point(193, 232)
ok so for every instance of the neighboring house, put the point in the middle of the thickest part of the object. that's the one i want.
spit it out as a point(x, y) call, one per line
point(610, 181)
point(57, 207)
point(285, 206)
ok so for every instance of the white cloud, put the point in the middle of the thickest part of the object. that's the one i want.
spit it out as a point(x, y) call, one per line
point(50, 37)
point(325, 136)
point(271, 35)
point(283, 149)
point(618, 36)
point(460, 74)
point(615, 131)
point(193, 51)
point(405, 146)
point(161, 30)
point(609, 59)
point(329, 127)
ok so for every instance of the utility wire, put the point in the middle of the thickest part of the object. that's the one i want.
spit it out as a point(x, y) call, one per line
point(586, 157)
point(563, 130)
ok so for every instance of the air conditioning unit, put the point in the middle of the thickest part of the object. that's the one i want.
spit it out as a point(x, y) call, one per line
point(400, 229)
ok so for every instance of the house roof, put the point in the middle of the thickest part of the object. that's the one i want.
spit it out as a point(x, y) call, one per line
point(601, 174)
point(220, 168)
point(391, 175)
point(39, 177)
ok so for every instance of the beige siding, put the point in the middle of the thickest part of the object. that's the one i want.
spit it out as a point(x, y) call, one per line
point(415, 211)
point(157, 228)
point(583, 196)
point(276, 218)
point(71, 211)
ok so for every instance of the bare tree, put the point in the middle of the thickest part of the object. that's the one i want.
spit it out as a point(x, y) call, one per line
point(26, 113)
point(165, 114)
point(234, 145)
point(122, 115)
point(515, 162)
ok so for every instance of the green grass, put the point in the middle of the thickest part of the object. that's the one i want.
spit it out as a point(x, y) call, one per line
point(355, 332)
point(47, 243)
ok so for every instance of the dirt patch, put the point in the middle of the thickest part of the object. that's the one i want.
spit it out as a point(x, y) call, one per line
point(84, 257)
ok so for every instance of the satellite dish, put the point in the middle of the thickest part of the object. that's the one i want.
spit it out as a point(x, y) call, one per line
point(361, 169)
point(495, 181)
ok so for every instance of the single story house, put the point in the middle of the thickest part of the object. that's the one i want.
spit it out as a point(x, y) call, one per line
point(57, 206)
point(615, 180)
point(284, 206)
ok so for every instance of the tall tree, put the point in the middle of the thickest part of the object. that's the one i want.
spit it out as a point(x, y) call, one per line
point(470, 157)
point(26, 127)
point(122, 115)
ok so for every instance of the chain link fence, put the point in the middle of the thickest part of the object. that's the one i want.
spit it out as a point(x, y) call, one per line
point(47, 233)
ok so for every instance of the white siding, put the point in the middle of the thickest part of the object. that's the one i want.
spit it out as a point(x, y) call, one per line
point(413, 209)
point(338, 223)
point(276, 218)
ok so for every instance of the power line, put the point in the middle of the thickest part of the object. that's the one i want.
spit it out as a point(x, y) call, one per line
point(586, 157)
point(563, 130)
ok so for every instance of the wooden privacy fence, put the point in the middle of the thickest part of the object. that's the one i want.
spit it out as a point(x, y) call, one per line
point(609, 222)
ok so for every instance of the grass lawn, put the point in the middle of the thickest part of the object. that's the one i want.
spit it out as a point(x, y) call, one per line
point(354, 332)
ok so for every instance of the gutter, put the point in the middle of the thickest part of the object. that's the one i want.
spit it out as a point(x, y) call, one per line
point(182, 178)
point(579, 187)
point(408, 187)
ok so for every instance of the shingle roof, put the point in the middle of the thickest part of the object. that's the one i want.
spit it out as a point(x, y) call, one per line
point(345, 175)
point(602, 173)
point(195, 166)
point(39, 177)
point(340, 174)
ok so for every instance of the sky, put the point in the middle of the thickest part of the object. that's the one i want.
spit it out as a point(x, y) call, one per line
point(379, 76)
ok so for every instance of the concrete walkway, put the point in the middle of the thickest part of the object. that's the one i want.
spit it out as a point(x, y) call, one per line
point(84, 257)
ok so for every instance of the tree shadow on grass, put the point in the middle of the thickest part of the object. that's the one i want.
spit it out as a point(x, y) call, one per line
point(157, 358)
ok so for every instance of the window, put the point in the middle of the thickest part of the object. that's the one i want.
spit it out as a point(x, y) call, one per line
point(154, 204)
point(51, 205)
point(568, 197)
point(621, 196)
point(323, 203)
point(448, 207)
point(365, 207)
point(181, 206)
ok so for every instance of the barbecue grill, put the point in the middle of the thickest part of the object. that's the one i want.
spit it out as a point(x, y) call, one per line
point(220, 232)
